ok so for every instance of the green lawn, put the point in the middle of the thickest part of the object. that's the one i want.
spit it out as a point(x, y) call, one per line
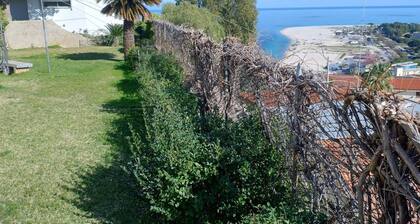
point(62, 139)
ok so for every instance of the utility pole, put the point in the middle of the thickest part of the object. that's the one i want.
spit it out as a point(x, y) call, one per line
point(45, 35)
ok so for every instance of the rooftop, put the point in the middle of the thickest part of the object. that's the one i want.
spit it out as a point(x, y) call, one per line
point(342, 85)
point(408, 63)
point(398, 83)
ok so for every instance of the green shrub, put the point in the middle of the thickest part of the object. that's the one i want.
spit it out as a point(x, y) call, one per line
point(114, 34)
point(251, 172)
point(144, 33)
point(195, 169)
point(284, 214)
point(194, 17)
point(99, 40)
point(132, 60)
point(169, 157)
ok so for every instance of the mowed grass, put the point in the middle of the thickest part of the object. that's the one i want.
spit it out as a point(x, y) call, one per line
point(61, 152)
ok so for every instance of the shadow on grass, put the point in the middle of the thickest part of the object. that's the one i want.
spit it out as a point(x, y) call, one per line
point(108, 193)
point(89, 56)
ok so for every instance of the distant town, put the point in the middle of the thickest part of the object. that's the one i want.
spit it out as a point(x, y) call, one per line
point(379, 44)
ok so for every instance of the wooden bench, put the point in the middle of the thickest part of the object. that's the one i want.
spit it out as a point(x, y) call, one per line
point(18, 67)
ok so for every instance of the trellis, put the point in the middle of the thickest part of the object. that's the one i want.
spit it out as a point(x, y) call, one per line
point(356, 153)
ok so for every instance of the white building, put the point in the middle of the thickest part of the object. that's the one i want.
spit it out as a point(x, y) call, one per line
point(405, 69)
point(73, 15)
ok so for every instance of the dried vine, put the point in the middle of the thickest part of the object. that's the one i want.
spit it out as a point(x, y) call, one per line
point(357, 153)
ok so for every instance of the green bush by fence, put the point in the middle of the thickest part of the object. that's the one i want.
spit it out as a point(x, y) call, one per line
point(192, 168)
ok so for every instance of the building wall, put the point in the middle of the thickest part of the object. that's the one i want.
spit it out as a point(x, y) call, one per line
point(408, 94)
point(401, 71)
point(83, 15)
point(29, 34)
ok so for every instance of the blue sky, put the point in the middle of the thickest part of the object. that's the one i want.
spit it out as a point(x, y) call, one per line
point(326, 3)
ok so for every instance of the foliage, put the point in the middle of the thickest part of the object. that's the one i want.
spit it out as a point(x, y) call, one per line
point(129, 11)
point(144, 33)
point(396, 31)
point(284, 214)
point(114, 34)
point(378, 78)
point(192, 168)
point(415, 44)
point(3, 18)
point(194, 17)
point(239, 19)
point(169, 157)
point(98, 40)
point(198, 3)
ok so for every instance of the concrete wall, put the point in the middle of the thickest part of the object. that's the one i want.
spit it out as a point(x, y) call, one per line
point(29, 34)
point(83, 15)
point(411, 95)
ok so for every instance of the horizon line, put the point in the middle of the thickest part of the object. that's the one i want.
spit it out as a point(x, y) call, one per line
point(325, 7)
point(339, 7)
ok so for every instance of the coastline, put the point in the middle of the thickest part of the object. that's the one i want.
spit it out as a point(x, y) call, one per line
point(319, 47)
point(313, 46)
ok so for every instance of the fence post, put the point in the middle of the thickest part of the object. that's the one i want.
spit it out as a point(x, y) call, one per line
point(296, 141)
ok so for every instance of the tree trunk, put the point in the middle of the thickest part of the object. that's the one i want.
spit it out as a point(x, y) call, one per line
point(128, 37)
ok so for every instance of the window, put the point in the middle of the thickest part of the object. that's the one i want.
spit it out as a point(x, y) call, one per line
point(57, 3)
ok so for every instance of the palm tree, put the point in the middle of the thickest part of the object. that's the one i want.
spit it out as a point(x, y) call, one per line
point(378, 78)
point(129, 11)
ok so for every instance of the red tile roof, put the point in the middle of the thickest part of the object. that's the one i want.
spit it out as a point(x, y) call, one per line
point(346, 81)
point(342, 86)
point(398, 83)
point(406, 83)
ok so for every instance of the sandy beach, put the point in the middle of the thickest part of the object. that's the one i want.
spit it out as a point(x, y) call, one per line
point(314, 46)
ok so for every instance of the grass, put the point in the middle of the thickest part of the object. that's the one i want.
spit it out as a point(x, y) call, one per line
point(62, 139)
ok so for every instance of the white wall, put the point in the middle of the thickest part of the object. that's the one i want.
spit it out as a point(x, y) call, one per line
point(411, 95)
point(83, 15)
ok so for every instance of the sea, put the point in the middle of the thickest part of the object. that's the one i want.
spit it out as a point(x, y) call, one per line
point(272, 21)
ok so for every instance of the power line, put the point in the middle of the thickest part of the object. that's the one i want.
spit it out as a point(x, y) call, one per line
point(99, 10)
point(94, 17)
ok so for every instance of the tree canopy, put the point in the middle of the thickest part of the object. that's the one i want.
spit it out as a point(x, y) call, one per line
point(239, 18)
point(194, 17)
point(129, 10)
point(396, 31)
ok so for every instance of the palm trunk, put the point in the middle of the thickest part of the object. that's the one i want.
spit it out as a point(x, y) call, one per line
point(128, 37)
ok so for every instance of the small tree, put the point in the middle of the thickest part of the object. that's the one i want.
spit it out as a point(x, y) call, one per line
point(194, 17)
point(238, 18)
point(129, 11)
point(115, 32)
point(378, 78)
